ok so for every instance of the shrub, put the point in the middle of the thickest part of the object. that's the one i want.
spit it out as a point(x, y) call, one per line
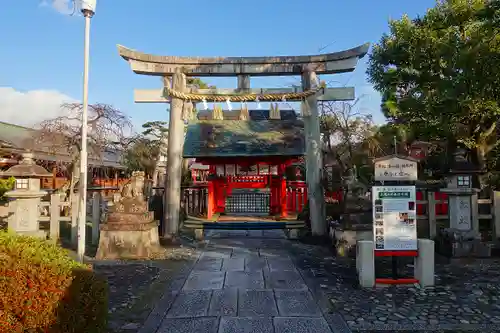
point(5, 186)
point(43, 290)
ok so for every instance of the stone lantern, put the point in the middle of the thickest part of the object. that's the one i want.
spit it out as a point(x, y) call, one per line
point(24, 208)
point(462, 238)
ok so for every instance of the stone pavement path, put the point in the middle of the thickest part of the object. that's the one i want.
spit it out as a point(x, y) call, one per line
point(261, 282)
point(243, 282)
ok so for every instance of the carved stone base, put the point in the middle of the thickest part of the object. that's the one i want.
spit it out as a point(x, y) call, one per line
point(36, 233)
point(128, 241)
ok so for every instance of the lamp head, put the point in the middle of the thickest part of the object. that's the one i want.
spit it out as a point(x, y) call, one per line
point(88, 7)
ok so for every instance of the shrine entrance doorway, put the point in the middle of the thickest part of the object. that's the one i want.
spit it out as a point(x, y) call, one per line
point(248, 196)
point(248, 189)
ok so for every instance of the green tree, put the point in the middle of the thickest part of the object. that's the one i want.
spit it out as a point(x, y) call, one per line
point(143, 150)
point(439, 75)
point(142, 155)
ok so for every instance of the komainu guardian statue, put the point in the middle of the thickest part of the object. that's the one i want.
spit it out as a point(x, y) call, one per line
point(130, 231)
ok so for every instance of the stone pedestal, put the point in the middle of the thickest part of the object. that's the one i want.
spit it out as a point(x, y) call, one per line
point(461, 239)
point(424, 263)
point(24, 212)
point(130, 231)
point(365, 263)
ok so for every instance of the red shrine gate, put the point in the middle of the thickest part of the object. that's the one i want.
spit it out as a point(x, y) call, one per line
point(254, 188)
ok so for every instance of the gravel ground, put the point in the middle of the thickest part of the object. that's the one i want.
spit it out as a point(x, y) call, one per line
point(466, 296)
point(135, 287)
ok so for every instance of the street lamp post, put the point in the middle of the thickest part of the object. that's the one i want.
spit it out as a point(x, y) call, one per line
point(88, 10)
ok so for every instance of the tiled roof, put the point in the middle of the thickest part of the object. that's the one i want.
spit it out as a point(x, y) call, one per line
point(19, 138)
point(225, 138)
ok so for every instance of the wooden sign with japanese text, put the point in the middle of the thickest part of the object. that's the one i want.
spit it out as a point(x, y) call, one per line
point(395, 168)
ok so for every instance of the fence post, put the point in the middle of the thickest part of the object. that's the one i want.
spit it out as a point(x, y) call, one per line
point(96, 216)
point(55, 212)
point(431, 213)
point(495, 200)
point(475, 212)
point(74, 218)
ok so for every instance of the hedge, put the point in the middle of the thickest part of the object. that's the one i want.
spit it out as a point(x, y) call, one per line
point(43, 290)
point(5, 186)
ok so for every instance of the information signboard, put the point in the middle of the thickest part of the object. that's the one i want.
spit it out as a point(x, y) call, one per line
point(394, 217)
point(395, 169)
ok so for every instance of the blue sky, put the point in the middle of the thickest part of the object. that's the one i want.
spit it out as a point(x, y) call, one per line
point(42, 47)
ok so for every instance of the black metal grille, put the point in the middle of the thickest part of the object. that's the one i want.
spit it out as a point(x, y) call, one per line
point(248, 203)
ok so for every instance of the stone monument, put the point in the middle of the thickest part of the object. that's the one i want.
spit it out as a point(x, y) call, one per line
point(24, 208)
point(130, 231)
point(462, 238)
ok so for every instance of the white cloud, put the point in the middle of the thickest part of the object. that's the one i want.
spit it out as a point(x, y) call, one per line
point(30, 107)
point(67, 7)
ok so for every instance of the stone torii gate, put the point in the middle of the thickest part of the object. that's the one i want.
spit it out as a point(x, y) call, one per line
point(181, 98)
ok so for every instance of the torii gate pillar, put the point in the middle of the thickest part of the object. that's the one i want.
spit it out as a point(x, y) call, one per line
point(172, 193)
point(314, 156)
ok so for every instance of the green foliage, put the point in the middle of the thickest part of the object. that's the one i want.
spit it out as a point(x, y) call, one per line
point(196, 81)
point(43, 290)
point(156, 129)
point(5, 186)
point(144, 149)
point(439, 74)
point(142, 155)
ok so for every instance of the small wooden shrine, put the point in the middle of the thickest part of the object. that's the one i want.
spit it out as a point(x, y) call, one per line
point(246, 153)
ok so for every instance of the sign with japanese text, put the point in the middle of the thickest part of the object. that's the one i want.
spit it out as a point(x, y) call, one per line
point(394, 217)
point(395, 169)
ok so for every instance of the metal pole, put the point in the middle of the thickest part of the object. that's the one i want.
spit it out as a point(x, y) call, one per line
point(82, 216)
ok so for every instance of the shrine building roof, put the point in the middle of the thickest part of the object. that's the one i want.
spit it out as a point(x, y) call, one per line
point(19, 139)
point(233, 138)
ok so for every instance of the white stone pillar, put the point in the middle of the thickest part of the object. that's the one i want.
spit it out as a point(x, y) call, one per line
point(365, 262)
point(424, 263)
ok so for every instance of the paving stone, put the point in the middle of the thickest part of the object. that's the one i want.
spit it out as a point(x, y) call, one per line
point(244, 280)
point(155, 317)
point(208, 264)
point(284, 280)
point(256, 303)
point(301, 325)
point(276, 234)
point(224, 302)
point(233, 264)
point(199, 280)
point(255, 264)
point(190, 304)
point(296, 303)
point(246, 253)
point(337, 323)
point(280, 264)
point(216, 254)
point(246, 325)
point(255, 233)
point(189, 325)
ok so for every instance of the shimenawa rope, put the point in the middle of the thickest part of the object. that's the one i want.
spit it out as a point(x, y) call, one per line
point(243, 98)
